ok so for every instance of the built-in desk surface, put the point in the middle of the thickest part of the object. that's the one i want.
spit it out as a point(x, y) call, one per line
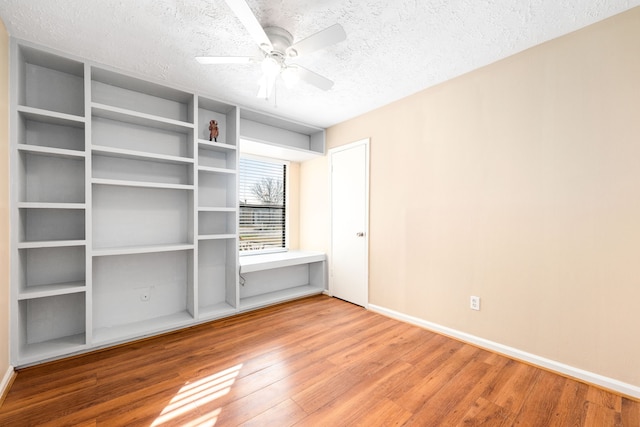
point(250, 263)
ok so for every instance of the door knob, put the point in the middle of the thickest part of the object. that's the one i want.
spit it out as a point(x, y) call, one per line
point(360, 234)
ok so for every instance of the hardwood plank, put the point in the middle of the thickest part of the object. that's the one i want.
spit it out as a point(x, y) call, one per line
point(385, 413)
point(513, 387)
point(604, 398)
point(377, 358)
point(450, 403)
point(539, 407)
point(316, 361)
point(485, 413)
point(286, 413)
point(325, 390)
point(244, 409)
point(51, 390)
point(570, 408)
point(433, 359)
point(424, 388)
point(372, 389)
point(363, 402)
point(630, 413)
point(459, 403)
point(598, 415)
point(367, 349)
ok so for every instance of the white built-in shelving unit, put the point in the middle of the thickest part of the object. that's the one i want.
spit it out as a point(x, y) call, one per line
point(124, 214)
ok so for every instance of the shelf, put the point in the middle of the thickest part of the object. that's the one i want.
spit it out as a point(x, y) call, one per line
point(277, 151)
point(217, 170)
point(213, 209)
point(213, 311)
point(50, 225)
point(217, 190)
point(142, 328)
point(144, 171)
point(49, 151)
point(224, 114)
point(217, 159)
point(217, 236)
point(130, 250)
point(269, 298)
point(136, 118)
point(217, 225)
point(266, 135)
point(215, 146)
point(142, 138)
point(37, 352)
point(126, 92)
point(217, 273)
point(133, 154)
point(50, 269)
point(49, 82)
point(51, 325)
point(46, 131)
point(50, 178)
point(40, 291)
point(138, 217)
point(51, 117)
point(127, 183)
point(51, 244)
point(45, 205)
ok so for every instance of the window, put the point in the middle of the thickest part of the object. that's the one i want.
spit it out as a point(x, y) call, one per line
point(262, 204)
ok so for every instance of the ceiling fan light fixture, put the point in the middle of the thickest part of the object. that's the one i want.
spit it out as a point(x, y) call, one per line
point(271, 67)
point(290, 76)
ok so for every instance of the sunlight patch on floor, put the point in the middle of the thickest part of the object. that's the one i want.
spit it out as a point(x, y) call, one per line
point(196, 393)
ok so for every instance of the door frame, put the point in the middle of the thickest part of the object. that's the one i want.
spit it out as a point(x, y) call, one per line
point(331, 152)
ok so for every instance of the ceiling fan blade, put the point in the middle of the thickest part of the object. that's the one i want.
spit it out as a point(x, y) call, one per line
point(224, 59)
point(321, 39)
point(250, 22)
point(312, 78)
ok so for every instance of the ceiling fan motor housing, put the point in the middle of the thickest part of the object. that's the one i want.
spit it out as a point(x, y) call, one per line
point(281, 40)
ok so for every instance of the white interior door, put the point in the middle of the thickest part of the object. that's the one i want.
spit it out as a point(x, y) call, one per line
point(349, 263)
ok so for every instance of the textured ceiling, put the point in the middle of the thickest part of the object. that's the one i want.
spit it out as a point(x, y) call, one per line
point(393, 48)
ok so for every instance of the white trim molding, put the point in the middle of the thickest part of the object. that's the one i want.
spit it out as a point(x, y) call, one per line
point(617, 386)
point(6, 381)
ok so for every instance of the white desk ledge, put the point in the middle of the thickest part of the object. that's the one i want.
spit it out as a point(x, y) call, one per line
point(251, 263)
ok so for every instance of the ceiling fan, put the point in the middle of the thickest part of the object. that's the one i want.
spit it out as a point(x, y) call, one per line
point(277, 48)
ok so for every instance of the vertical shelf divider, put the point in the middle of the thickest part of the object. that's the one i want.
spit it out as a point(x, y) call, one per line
point(88, 201)
point(192, 290)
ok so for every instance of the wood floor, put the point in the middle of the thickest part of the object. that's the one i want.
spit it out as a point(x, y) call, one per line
point(314, 362)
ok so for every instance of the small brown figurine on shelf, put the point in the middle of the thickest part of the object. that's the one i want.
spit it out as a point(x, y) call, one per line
point(213, 131)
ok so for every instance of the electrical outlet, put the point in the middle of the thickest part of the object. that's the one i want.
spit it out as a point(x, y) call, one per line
point(474, 303)
point(145, 294)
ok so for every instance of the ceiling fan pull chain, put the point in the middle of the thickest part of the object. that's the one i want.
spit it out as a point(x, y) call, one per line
point(275, 94)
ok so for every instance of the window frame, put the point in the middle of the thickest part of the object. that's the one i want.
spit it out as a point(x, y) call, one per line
point(282, 162)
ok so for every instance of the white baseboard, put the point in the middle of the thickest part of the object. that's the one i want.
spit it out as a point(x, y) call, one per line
point(569, 371)
point(6, 380)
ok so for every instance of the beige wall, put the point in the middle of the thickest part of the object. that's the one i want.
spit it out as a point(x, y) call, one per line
point(520, 183)
point(4, 200)
point(293, 205)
